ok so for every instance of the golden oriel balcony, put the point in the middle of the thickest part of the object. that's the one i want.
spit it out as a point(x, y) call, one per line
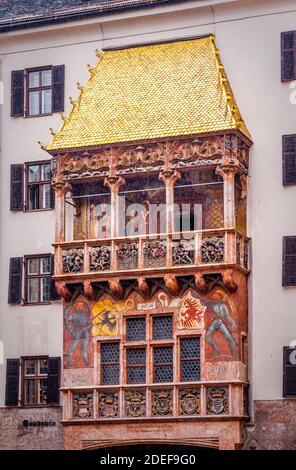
point(151, 255)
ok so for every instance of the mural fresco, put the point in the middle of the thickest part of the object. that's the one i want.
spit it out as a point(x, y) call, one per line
point(220, 325)
point(106, 316)
point(215, 316)
point(77, 334)
point(191, 313)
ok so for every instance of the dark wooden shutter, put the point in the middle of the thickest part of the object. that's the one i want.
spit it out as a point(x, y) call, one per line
point(289, 159)
point(58, 88)
point(17, 93)
point(289, 374)
point(12, 382)
point(15, 281)
point(16, 187)
point(288, 56)
point(54, 294)
point(289, 261)
point(53, 380)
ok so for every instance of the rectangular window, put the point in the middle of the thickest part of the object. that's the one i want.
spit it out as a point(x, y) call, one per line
point(136, 365)
point(150, 346)
point(162, 327)
point(110, 363)
point(39, 194)
point(39, 91)
point(163, 364)
point(35, 375)
point(190, 359)
point(38, 279)
point(136, 329)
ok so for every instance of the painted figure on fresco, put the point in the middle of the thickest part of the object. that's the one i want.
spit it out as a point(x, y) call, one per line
point(105, 316)
point(222, 322)
point(78, 325)
point(191, 313)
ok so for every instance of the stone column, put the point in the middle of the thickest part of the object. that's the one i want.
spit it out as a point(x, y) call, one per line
point(169, 177)
point(227, 172)
point(61, 188)
point(114, 183)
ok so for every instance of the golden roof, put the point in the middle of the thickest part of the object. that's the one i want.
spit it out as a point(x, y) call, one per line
point(149, 92)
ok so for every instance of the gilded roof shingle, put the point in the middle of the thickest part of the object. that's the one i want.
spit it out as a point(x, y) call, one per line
point(150, 92)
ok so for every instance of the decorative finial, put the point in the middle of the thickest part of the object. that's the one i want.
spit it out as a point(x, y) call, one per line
point(90, 68)
point(71, 100)
point(99, 53)
point(43, 147)
point(62, 116)
point(78, 86)
point(52, 131)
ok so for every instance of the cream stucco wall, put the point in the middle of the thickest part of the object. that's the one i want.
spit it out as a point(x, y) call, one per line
point(248, 36)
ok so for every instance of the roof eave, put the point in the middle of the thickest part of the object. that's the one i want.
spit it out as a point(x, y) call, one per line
point(64, 17)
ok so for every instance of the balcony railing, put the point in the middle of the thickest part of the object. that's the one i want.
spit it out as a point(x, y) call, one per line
point(177, 401)
point(174, 252)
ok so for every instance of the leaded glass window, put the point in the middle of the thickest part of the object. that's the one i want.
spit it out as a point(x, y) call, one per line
point(136, 365)
point(110, 363)
point(136, 329)
point(190, 359)
point(163, 363)
point(163, 327)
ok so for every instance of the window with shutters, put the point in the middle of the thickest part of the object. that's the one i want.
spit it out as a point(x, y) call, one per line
point(37, 91)
point(38, 186)
point(289, 159)
point(289, 261)
point(38, 279)
point(288, 56)
point(34, 380)
point(146, 352)
point(289, 372)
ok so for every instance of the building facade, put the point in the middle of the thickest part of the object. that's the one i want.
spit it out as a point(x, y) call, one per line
point(158, 286)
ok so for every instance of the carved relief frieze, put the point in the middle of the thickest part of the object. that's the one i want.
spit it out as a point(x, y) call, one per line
point(196, 149)
point(135, 403)
point(217, 400)
point(109, 405)
point(154, 253)
point(82, 405)
point(100, 258)
point(73, 260)
point(189, 402)
point(156, 156)
point(127, 255)
point(162, 402)
point(183, 253)
point(212, 249)
point(149, 155)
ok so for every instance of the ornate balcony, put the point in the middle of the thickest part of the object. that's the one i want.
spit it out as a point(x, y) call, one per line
point(203, 400)
point(151, 255)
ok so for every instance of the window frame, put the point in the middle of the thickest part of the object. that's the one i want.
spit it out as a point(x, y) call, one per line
point(109, 363)
point(36, 377)
point(37, 276)
point(41, 182)
point(149, 344)
point(39, 89)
